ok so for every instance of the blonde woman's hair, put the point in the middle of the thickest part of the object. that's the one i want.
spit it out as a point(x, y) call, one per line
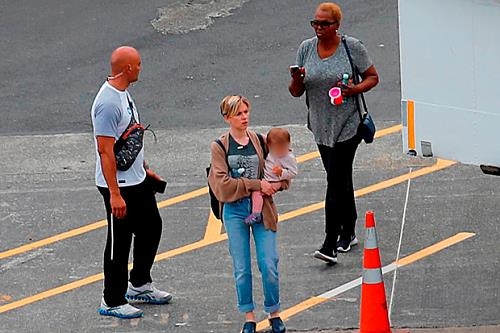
point(230, 105)
point(333, 9)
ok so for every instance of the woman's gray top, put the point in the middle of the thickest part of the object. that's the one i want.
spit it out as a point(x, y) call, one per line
point(330, 123)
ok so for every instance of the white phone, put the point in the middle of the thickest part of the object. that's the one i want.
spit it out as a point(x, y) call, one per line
point(294, 68)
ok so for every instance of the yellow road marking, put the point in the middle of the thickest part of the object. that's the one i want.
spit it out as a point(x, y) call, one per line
point(211, 239)
point(389, 130)
point(439, 165)
point(52, 239)
point(100, 276)
point(188, 248)
point(169, 202)
point(92, 226)
point(378, 134)
point(434, 248)
point(290, 312)
point(183, 197)
point(51, 292)
point(214, 227)
point(419, 255)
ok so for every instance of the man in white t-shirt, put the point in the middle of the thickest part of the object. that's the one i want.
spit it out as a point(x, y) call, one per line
point(128, 197)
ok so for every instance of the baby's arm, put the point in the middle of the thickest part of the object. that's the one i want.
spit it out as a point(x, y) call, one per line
point(276, 186)
point(277, 170)
point(289, 167)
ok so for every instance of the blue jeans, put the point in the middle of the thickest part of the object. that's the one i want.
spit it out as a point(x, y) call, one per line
point(238, 232)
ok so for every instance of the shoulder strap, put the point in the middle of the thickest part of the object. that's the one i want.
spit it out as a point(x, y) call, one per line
point(219, 142)
point(263, 145)
point(355, 77)
point(131, 106)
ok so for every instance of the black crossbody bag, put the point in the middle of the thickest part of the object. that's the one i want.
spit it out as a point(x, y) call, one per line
point(366, 128)
point(130, 143)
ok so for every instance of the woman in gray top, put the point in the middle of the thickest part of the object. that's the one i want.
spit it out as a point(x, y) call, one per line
point(322, 62)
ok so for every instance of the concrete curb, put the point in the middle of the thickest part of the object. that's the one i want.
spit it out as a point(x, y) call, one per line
point(477, 329)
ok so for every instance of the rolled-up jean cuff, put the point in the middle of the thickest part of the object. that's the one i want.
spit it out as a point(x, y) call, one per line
point(273, 308)
point(246, 307)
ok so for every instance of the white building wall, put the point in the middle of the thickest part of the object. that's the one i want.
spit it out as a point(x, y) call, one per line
point(450, 72)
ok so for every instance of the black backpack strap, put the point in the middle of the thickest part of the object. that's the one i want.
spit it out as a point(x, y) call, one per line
point(219, 142)
point(263, 145)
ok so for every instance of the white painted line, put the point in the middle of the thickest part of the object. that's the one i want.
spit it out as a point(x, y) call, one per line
point(353, 284)
point(403, 220)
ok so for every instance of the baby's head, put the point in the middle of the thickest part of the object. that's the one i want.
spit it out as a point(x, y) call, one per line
point(278, 141)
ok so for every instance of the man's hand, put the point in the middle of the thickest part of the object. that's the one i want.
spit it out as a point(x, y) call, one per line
point(152, 174)
point(118, 206)
point(158, 184)
point(277, 170)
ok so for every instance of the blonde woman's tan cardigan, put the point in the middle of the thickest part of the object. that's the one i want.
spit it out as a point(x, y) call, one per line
point(228, 189)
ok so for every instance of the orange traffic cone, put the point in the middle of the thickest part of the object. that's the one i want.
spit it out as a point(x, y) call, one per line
point(373, 313)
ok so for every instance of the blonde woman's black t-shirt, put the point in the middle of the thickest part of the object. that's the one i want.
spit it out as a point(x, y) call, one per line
point(243, 160)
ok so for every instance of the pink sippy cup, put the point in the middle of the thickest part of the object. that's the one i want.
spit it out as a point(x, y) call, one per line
point(336, 96)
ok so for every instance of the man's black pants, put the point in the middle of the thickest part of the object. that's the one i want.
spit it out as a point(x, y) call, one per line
point(143, 221)
point(340, 207)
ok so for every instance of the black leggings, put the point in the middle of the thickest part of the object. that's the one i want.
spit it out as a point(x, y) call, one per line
point(143, 221)
point(340, 207)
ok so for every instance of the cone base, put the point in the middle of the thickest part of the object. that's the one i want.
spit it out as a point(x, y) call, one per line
point(374, 317)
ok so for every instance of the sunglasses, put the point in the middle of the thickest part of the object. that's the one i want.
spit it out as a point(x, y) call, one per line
point(322, 24)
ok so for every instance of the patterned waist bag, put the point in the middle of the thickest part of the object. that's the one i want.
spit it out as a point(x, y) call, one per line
point(130, 143)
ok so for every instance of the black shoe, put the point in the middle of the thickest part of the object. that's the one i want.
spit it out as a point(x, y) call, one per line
point(277, 325)
point(249, 327)
point(326, 255)
point(344, 245)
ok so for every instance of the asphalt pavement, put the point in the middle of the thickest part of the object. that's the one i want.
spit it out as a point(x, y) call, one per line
point(51, 229)
point(51, 72)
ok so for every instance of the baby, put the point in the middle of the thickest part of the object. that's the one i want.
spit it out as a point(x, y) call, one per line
point(280, 165)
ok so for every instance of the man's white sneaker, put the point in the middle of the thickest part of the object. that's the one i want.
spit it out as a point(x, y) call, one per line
point(147, 294)
point(125, 311)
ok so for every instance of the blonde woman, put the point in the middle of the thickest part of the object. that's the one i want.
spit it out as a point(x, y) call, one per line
point(236, 171)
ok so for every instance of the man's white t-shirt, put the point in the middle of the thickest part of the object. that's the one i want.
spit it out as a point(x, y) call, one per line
point(111, 116)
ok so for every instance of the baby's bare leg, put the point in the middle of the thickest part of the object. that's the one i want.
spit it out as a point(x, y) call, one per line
point(257, 202)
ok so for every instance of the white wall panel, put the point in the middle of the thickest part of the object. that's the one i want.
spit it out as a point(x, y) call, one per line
point(450, 68)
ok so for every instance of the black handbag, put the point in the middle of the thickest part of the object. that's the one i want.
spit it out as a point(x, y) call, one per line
point(366, 128)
